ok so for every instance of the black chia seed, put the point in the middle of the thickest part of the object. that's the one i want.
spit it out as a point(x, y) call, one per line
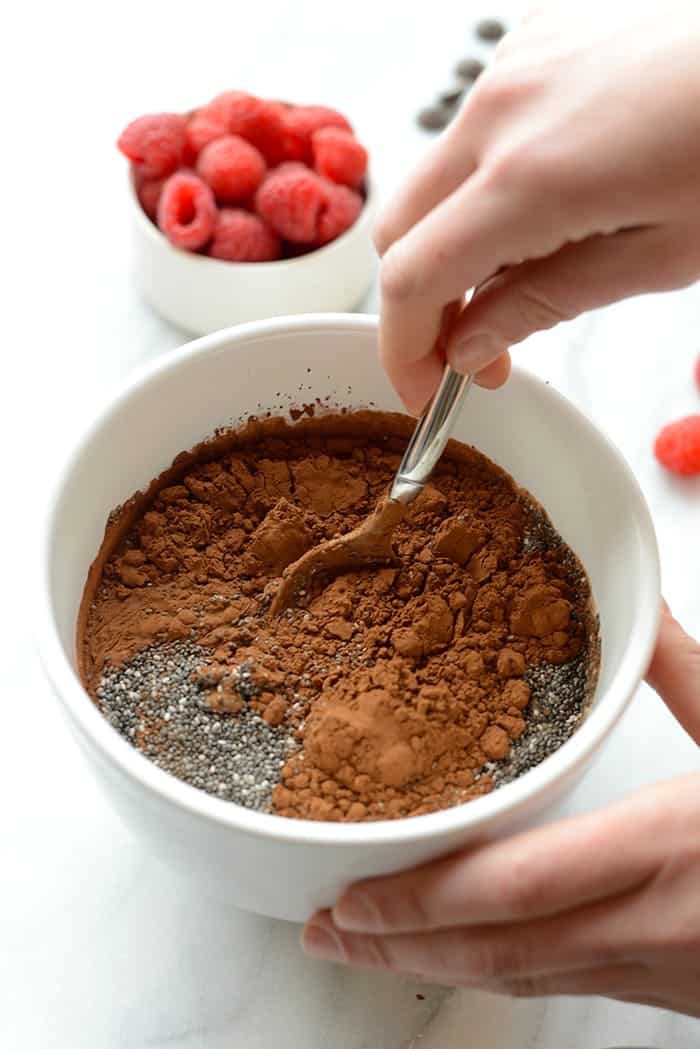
point(558, 696)
point(155, 702)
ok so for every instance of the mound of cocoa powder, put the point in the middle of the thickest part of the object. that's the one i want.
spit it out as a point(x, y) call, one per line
point(398, 686)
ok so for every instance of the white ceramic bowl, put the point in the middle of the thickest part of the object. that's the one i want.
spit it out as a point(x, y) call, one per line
point(202, 295)
point(267, 863)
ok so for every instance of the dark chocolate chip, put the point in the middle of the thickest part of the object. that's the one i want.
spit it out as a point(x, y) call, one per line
point(469, 68)
point(451, 94)
point(435, 118)
point(490, 29)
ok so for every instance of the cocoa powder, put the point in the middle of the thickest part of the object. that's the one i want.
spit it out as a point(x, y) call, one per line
point(398, 684)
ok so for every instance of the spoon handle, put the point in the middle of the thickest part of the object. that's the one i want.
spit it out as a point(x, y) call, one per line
point(430, 436)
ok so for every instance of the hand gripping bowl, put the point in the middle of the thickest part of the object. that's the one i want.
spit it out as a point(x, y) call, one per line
point(283, 867)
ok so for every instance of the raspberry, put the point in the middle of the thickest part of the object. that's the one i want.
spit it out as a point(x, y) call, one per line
point(342, 208)
point(187, 211)
point(291, 201)
point(257, 121)
point(339, 156)
point(156, 142)
point(242, 237)
point(300, 122)
point(677, 446)
point(148, 192)
point(221, 105)
point(232, 167)
point(290, 165)
point(203, 127)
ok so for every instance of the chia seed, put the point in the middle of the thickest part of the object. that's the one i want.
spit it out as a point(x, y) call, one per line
point(560, 695)
point(154, 701)
point(558, 703)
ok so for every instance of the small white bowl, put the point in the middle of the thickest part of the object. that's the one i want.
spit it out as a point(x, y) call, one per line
point(267, 863)
point(202, 295)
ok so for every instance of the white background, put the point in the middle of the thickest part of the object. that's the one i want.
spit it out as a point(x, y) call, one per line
point(101, 948)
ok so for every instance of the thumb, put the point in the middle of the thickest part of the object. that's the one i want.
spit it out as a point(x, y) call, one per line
point(533, 296)
point(675, 673)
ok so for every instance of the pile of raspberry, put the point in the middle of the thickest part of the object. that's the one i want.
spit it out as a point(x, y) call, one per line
point(677, 445)
point(246, 179)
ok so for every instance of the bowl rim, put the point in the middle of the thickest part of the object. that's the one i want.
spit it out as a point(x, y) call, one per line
point(148, 229)
point(508, 800)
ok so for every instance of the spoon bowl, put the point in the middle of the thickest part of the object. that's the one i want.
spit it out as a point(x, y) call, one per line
point(365, 546)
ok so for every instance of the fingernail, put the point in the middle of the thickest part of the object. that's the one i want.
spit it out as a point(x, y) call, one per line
point(320, 942)
point(356, 911)
point(474, 353)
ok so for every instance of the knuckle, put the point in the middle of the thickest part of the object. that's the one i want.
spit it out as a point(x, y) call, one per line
point(520, 888)
point(527, 168)
point(536, 309)
point(490, 961)
point(494, 92)
point(413, 910)
point(524, 987)
point(397, 279)
point(506, 85)
point(383, 235)
point(533, 162)
point(378, 953)
point(679, 934)
point(400, 911)
point(608, 952)
point(487, 964)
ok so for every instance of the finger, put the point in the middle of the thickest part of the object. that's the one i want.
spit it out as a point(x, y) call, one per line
point(675, 673)
point(542, 872)
point(631, 979)
point(427, 371)
point(480, 956)
point(445, 167)
point(417, 389)
point(495, 373)
point(534, 296)
point(416, 386)
point(458, 245)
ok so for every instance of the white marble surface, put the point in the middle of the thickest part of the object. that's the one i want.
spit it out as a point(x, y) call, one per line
point(101, 948)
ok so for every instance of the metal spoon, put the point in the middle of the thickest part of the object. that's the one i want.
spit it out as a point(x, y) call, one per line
point(430, 436)
point(370, 543)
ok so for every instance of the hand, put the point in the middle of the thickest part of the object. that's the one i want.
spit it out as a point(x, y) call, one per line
point(605, 903)
point(568, 180)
